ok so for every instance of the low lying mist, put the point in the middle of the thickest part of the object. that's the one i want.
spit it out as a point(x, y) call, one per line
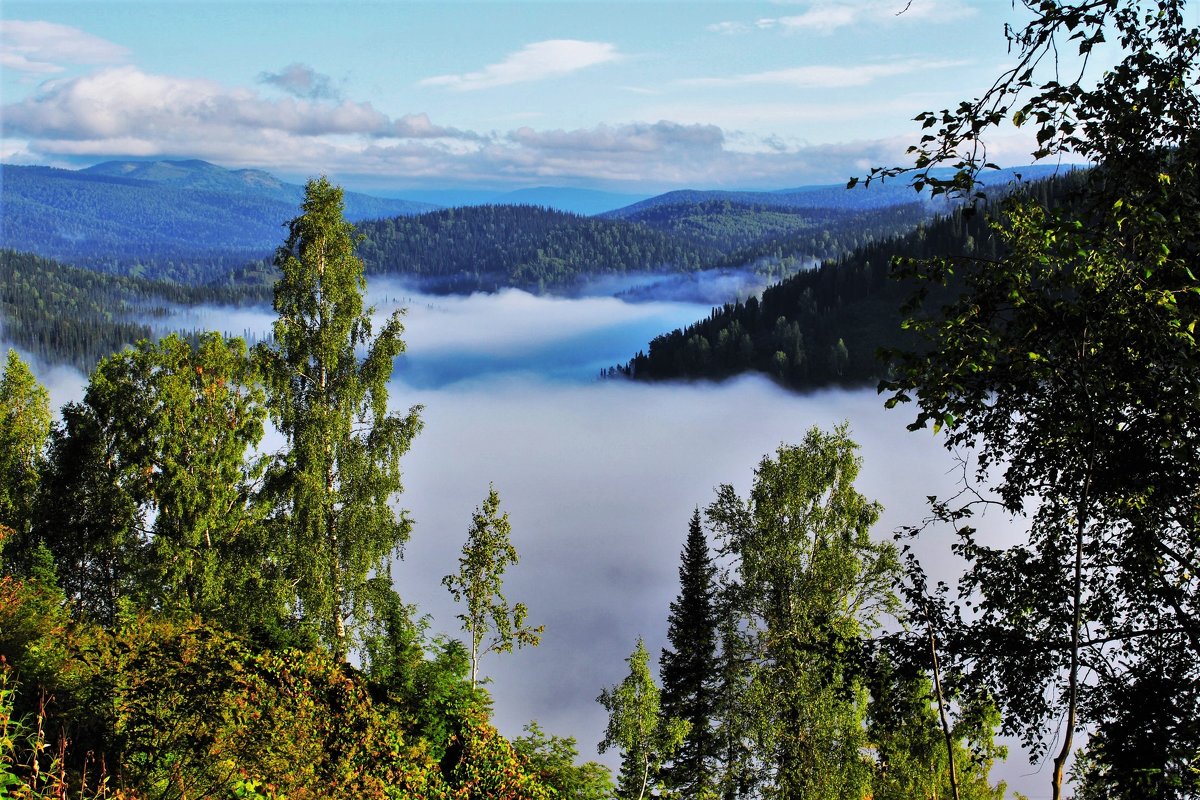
point(599, 477)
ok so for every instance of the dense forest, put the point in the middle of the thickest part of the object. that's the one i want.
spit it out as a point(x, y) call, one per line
point(67, 315)
point(485, 247)
point(748, 233)
point(825, 325)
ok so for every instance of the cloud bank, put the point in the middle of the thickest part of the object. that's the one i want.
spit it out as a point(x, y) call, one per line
point(121, 110)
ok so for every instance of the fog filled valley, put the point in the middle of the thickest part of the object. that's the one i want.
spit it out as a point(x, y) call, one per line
point(598, 476)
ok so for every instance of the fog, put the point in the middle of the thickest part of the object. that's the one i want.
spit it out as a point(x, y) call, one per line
point(599, 478)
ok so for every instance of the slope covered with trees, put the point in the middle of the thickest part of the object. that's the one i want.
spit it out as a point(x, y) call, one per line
point(191, 602)
point(63, 314)
point(825, 325)
point(189, 221)
point(486, 247)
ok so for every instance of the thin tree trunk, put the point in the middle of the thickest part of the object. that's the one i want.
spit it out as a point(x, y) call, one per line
point(1060, 760)
point(937, 685)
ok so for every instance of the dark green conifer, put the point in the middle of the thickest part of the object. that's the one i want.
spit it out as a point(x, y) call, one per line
point(689, 667)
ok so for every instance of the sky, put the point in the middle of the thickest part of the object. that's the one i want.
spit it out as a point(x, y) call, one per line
point(383, 96)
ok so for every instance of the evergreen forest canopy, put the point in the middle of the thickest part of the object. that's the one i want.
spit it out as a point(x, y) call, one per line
point(63, 314)
point(829, 325)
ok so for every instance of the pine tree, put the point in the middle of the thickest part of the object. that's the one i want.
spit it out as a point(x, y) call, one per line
point(689, 667)
point(342, 467)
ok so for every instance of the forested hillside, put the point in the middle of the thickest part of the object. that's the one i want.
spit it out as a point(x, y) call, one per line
point(186, 221)
point(185, 615)
point(486, 247)
point(823, 326)
point(63, 314)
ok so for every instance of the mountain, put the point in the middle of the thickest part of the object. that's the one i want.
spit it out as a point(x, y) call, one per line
point(484, 247)
point(185, 220)
point(575, 201)
point(824, 325)
point(201, 175)
point(878, 195)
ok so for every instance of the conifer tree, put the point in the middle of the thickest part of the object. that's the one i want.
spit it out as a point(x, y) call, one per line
point(341, 470)
point(689, 667)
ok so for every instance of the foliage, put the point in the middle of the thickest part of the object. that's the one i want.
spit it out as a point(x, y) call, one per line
point(637, 728)
point(486, 555)
point(689, 668)
point(809, 585)
point(149, 493)
point(24, 429)
point(911, 758)
point(1070, 364)
point(172, 708)
point(341, 470)
point(552, 759)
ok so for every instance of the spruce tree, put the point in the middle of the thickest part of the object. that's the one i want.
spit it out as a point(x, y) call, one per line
point(689, 667)
point(341, 470)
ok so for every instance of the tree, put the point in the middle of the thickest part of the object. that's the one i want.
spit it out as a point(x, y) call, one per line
point(636, 726)
point(911, 755)
point(341, 469)
point(24, 430)
point(149, 489)
point(552, 760)
point(689, 668)
point(486, 555)
point(808, 585)
point(1068, 365)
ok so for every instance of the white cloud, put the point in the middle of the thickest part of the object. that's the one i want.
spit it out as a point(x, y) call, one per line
point(825, 76)
point(827, 16)
point(42, 48)
point(633, 138)
point(728, 28)
point(535, 62)
point(123, 111)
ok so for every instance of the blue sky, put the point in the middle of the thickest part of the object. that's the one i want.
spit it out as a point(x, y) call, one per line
point(634, 96)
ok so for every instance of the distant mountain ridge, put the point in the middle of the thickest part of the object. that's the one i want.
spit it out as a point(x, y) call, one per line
point(589, 202)
point(186, 220)
point(886, 194)
point(202, 175)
